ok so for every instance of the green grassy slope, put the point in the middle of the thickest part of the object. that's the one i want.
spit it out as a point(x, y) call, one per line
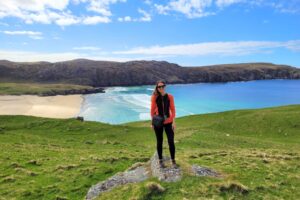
point(258, 152)
point(35, 88)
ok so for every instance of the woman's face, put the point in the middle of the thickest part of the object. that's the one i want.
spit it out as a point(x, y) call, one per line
point(161, 87)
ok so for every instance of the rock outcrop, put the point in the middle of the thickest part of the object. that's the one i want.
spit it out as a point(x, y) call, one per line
point(168, 174)
point(204, 171)
point(129, 176)
point(142, 171)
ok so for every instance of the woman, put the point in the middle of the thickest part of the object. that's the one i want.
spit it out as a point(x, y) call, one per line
point(162, 104)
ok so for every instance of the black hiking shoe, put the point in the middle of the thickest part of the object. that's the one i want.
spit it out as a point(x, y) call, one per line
point(174, 164)
point(161, 163)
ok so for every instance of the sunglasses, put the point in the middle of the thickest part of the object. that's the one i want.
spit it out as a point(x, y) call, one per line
point(161, 86)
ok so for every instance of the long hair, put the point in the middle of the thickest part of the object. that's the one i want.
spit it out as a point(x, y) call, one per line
point(155, 91)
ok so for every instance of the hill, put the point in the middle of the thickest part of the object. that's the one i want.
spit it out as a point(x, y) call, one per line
point(105, 73)
point(258, 150)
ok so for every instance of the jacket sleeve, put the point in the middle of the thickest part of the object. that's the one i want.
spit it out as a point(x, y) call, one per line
point(153, 106)
point(172, 107)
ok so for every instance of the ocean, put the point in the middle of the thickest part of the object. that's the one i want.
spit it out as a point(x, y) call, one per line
point(125, 104)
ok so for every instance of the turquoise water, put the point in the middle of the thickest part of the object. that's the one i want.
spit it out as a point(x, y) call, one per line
point(124, 104)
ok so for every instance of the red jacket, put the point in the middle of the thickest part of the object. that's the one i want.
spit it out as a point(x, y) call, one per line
point(154, 108)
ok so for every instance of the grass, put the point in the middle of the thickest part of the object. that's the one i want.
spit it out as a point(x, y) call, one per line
point(35, 88)
point(257, 151)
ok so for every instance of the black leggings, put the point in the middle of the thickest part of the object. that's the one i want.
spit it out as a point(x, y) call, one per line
point(159, 139)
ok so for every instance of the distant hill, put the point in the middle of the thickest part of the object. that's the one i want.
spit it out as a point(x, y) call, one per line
point(107, 73)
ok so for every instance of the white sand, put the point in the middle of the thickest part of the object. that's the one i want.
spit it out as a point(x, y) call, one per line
point(60, 106)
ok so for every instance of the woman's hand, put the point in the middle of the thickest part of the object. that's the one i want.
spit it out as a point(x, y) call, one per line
point(173, 126)
point(152, 126)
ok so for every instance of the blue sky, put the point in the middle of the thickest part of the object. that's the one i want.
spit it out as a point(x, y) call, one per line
point(187, 32)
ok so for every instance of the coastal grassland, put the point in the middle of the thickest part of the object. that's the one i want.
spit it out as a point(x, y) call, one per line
point(7, 88)
point(257, 151)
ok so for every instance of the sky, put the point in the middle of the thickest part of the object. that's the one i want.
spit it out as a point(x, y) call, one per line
point(186, 32)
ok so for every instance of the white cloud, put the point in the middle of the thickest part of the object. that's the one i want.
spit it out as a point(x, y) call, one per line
point(95, 20)
point(33, 5)
point(213, 48)
point(27, 56)
point(31, 56)
point(99, 11)
point(33, 11)
point(161, 9)
point(148, 2)
point(67, 19)
point(57, 11)
point(32, 34)
point(293, 45)
point(223, 3)
point(102, 6)
point(146, 17)
point(202, 8)
point(283, 6)
point(92, 48)
point(190, 8)
point(36, 37)
point(125, 19)
point(233, 49)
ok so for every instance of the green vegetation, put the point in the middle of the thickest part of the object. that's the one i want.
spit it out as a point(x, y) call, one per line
point(36, 88)
point(257, 151)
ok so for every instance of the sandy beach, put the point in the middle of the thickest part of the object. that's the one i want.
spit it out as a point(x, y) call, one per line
point(60, 106)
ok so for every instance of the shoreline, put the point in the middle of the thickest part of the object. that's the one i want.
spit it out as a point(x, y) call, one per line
point(81, 105)
point(239, 81)
point(58, 106)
